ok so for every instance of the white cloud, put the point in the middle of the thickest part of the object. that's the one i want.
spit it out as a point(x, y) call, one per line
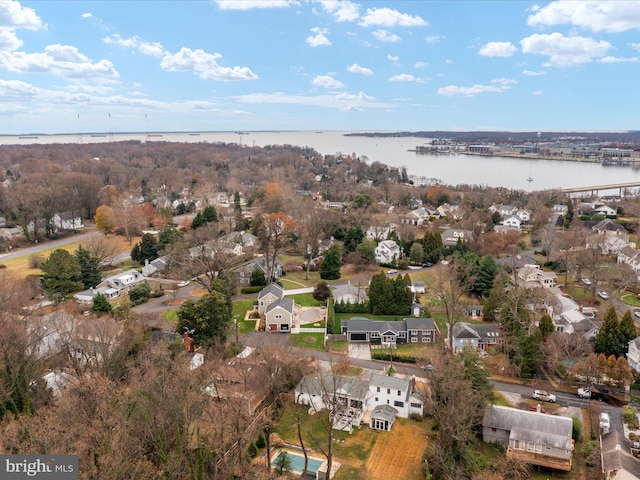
point(9, 41)
point(498, 85)
point(204, 65)
point(355, 68)
point(327, 81)
point(319, 39)
point(152, 49)
point(402, 77)
point(386, 36)
point(635, 46)
point(564, 51)
point(59, 60)
point(86, 15)
point(608, 16)
point(536, 93)
point(420, 65)
point(387, 17)
point(610, 59)
point(392, 58)
point(342, 10)
point(531, 73)
point(251, 4)
point(341, 101)
point(14, 15)
point(498, 49)
point(433, 39)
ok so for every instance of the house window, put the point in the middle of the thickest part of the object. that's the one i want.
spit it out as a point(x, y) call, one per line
point(376, 399)
point(493, 429)
point(416, 405)
point(377, 389)
point(399, 393)
point(398, 404)
point(375, 334)
point(388, 391)
point(414, 340)
point(278, 316)
point(426, 339)
point(402, 334)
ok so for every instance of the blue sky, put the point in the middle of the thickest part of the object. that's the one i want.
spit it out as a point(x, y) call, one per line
point(99, 66)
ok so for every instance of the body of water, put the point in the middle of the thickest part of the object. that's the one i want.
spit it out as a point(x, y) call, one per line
point(452, 169)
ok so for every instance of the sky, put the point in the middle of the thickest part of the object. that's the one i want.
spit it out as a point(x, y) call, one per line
point(248, 65)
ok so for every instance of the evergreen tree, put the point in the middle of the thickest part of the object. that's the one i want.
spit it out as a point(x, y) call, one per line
point(627, 328)
point(487, 271)
point(209, 214)
point(258, 278)
point(416, 252)
point(353, 238)
point(100, 304)
point(610, 340)
point(545, 326)
point(135, 253)
point(331, 263)
point(89, 268)
point(61, 274)
point(209, 318)
point(379, 296)
point(148, 248)
point(493, 302)
point(432, 244)
point(197, 221)
point(169, 235)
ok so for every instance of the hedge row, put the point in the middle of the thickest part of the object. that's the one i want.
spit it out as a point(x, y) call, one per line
point(378, 355)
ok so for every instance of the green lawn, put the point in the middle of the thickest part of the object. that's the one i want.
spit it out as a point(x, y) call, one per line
point(338, 346)
point(384, 318)
point(308, 340)
point(631, 299)
point(170, 316)
point(306, 300)
point(239, 311)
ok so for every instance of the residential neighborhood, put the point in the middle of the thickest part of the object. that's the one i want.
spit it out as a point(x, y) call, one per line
point(280, 321)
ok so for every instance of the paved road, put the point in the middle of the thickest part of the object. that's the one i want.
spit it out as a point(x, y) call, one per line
point(19, 252)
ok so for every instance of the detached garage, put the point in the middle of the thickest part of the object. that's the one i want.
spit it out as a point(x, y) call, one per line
point(358, 337)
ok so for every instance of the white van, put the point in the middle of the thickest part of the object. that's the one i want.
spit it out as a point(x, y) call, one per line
point(605, 421)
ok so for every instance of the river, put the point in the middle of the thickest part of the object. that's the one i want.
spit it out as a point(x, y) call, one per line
point(452, 169)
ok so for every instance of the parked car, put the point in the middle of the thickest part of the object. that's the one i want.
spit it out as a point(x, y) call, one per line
point(603, 295)
point(636, 314)
point(586, 281)
point(544, 396)
point(584, 392)
point(393, 271)
point(605, 421)
point(427, 265)
point(183, 283)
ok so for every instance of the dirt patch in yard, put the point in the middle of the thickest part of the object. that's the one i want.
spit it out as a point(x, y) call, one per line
point(388, 461)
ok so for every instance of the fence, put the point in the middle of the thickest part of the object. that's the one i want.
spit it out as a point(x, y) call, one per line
point(312, 330)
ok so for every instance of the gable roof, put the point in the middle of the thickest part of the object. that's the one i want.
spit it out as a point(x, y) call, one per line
point(286, 304)
point(348, 289)
point(421, 323)
point(388, 381)
point(540, 428)
point(616, 456)
point(273, 289)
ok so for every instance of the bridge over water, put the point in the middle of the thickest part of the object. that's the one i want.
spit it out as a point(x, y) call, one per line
point(594, 189)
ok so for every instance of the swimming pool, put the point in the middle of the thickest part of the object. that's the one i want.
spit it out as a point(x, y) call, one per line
point(297, 461)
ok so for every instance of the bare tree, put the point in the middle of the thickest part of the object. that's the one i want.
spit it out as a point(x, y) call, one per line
point(451, 291)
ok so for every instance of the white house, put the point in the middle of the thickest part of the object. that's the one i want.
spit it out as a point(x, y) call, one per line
point(113, 286)
point(348, 294)
point(397, 392)
point(532, 276)
point(387, 251)
point(633, 354)
point(524, 215)
point(512, 221)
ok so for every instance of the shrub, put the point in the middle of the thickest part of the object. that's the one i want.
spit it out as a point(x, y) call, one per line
point(252, 451)
point(385, 356)
point(248, 290)
point(630, 417)
point(139, 294)
point(36, 260)
point(261, 442)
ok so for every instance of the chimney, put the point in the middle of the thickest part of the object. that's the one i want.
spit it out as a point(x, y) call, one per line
point(188, 342)
point(580, 308)
point(538, 408)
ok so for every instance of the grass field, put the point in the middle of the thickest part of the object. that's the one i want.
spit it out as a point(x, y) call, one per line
point(20, 265)
point(308, 340)
point(388, 461)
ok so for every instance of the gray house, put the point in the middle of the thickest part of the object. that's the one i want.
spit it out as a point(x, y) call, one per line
point(532, 437)
point(268, 295)
point(348, 294)
point(408, 330)
point(279, 315)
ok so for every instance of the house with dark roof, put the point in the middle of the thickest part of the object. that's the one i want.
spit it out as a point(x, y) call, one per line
point(452, 236)
point(479, 336)
point(531, 437)
point(407, 330)
point(243, 274)
point(618, 463)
